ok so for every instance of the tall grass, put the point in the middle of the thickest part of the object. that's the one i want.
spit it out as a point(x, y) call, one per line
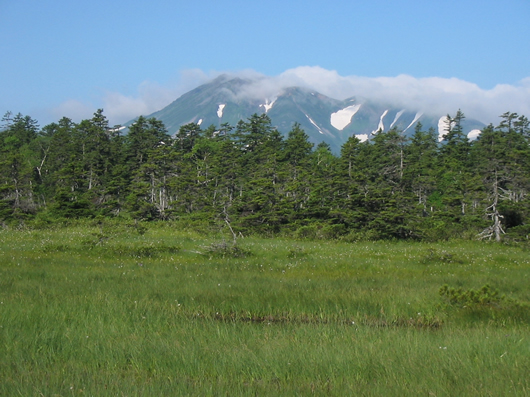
point(105, 310)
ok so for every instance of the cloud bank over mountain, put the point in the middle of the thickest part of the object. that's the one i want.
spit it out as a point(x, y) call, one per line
point(429, 94)
point(150, 96)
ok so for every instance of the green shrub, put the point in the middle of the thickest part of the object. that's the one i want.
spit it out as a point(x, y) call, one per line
point(440, 256)
point(486, 296)
point(308, 232)
point(226, 250)
point(333, 231)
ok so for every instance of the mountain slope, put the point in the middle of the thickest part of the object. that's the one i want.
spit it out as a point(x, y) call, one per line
point(228, 100)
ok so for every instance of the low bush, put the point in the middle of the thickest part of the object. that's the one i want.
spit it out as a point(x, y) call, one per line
point(486, 296)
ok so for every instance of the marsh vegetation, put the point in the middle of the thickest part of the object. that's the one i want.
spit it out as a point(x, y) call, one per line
point(113, 309)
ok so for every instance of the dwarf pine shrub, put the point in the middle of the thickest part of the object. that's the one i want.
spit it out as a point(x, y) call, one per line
point(485, 296)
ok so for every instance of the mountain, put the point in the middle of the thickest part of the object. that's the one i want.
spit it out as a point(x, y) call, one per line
point(230, 99)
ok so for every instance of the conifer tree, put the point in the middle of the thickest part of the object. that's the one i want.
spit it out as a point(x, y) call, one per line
point(16, 166)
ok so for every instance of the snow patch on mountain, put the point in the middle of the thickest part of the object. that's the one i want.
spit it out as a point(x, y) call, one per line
point(315, 124)
point(398, 115)
point(443, 128)
point(473, 134)
point(118, 128)
point(416, 118)
point(220, 110)
point(268, 105)
point(381, 125)
point(342, 118)
point(362, 137)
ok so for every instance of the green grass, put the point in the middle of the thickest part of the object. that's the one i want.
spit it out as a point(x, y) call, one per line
point(104, 310)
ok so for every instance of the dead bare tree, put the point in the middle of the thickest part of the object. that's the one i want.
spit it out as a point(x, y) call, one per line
point(227, 221)
point(493, 213)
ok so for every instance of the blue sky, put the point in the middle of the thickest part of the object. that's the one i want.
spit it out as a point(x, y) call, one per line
point(68, 58)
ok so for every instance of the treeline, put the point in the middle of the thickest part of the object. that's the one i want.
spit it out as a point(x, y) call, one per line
point(253, 179)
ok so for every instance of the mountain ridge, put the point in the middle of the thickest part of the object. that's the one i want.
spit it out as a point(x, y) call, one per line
point(228, 99)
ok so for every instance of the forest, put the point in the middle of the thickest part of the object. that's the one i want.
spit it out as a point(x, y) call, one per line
point(239, 261)
point(254, 180)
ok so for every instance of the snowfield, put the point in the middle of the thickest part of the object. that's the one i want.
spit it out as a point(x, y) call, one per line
point(398, 115)
point(315, 124)
point(473, 134)
point(443, 127)
point(343, 117)
point(416, 118)
point(268, 105)
point(220, 110)
point(381, 125)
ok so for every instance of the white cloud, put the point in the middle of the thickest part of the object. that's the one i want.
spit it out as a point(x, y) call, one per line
point(430, 95)
point(149, 98)
point(73, 109)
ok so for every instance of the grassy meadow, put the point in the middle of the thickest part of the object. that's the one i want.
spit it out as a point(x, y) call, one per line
point(123, 310)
